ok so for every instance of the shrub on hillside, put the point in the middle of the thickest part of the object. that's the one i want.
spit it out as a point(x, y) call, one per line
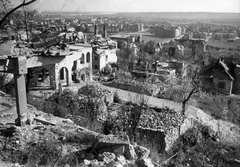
point(116, 97)
point(89, 102)
point(201, 146)
point(93, 100)
point(44, 153)
point(221, 107)
point(174, 94)
point(107, 70)
point(61, 104)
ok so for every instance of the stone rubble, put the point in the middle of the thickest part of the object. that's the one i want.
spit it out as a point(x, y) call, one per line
point(109, 150)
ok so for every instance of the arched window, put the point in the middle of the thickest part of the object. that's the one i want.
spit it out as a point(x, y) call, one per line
point(88, 57)
point(82, 59)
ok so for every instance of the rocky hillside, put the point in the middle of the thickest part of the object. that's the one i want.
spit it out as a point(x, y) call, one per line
point(46, 140)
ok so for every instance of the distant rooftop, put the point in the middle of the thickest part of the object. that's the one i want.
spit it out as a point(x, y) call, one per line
point(120, 36)
point(79, 46)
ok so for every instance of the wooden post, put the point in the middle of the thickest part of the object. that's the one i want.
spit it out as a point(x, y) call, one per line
point(21, 98)
point(60, 88)
point(18, 66)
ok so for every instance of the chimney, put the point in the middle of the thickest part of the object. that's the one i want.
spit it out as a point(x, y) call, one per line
point(104, 31)
point(156, 66)
point(95, 29)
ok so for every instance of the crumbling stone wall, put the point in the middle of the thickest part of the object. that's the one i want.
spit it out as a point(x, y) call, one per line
point(164, 140)
point(172, 135)
point(82, 75)
point(48, 80)
point(166, 121)
point(154, 138)
point(51, 80)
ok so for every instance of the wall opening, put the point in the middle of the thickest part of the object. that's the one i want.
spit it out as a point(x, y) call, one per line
point(88, 57)
point(38, 77)
point(151, 138)
point(83, 77)
point(82, 60)
point(64, 76)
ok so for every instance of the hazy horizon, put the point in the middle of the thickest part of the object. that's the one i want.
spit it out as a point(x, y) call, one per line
point(137, 6)
point(137, 12)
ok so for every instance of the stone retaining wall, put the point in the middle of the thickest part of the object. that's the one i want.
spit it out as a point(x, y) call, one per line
point(133, 86)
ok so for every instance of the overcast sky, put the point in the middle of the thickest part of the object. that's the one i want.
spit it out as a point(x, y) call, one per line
point(232, 6)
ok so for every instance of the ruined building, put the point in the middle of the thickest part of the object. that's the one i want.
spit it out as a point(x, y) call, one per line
point(104, 51)
point(72, 65)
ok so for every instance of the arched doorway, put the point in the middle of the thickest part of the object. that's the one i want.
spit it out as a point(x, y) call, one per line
point(74, 71)
point(63, 76)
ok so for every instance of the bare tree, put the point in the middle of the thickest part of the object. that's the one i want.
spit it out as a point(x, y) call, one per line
point(196, 86)
point(6, 3)
point(139, 103)
point(92, 101)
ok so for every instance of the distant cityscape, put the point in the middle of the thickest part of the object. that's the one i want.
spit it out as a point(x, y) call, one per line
point(109, 89)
